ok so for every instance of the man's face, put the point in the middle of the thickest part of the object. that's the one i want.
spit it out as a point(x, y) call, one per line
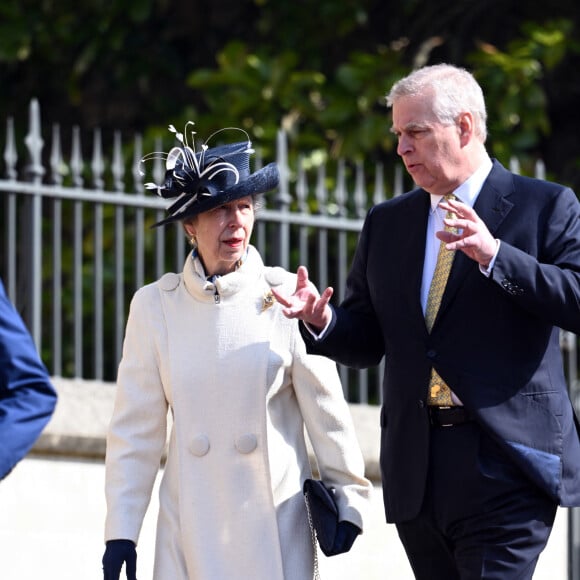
point(432, 152)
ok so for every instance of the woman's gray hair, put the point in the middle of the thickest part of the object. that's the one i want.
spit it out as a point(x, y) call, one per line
point(454, 91)
point(258, 199)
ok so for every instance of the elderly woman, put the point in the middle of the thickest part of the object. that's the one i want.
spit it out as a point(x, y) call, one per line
point(212, 346)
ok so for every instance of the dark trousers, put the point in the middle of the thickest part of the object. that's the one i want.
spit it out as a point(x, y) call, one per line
point(481, 517)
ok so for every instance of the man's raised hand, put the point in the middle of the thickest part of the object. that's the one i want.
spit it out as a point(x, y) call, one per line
point(306, 303)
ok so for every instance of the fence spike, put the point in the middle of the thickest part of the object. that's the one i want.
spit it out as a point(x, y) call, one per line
point(34, 142)
point(360, 196)
point(97, 163)
point(258, 160)
point(57, 167)
point(340, 191)
point(301, 186)
point(399, 184)
point(10, 154)
point(283, 198)
point(158, 166)
point(515, 165)
point(76, 159)
point(137, 155)
point(321, 193)
point(117, 165)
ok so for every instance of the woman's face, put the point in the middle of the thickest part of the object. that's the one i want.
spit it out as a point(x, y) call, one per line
point(223, 234)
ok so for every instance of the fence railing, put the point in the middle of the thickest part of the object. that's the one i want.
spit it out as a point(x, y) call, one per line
point(77, 242)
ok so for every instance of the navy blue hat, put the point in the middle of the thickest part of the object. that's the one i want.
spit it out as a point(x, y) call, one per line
point(202, 180)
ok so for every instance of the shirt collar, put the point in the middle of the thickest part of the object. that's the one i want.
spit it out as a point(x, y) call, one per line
point(200, 271)
point(468, 191)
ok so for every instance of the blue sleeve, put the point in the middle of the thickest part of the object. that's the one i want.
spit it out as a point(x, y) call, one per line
point(27, 396)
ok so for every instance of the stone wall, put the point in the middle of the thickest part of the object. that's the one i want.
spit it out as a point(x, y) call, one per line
point(79, 424)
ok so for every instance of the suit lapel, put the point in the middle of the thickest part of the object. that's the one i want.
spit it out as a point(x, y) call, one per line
point(412, 265)
point(492, 206)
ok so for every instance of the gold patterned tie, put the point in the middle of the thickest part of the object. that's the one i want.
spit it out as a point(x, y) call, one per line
point(439, 392)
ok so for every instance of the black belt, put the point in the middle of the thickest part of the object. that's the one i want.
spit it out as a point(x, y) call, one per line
point(448, 416)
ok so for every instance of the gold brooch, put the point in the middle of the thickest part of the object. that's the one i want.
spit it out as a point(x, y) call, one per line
point(268, 300)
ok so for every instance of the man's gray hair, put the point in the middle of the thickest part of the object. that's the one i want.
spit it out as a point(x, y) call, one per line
point(454, 91)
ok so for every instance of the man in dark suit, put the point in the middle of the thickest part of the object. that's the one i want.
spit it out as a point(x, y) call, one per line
point(479, 441)
point(27, 396)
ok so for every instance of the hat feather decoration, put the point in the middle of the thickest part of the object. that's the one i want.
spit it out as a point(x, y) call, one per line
point(198, 181)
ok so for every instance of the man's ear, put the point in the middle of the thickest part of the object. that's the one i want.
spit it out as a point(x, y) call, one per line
point(465, 124)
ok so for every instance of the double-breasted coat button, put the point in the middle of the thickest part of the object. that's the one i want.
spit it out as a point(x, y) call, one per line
point(199, 445)
point(246, 443)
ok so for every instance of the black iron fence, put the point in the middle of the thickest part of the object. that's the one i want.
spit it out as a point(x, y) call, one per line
point(77, 242)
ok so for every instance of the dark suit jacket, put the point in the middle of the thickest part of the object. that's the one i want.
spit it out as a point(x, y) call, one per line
point(495, 340)
point(27, 397)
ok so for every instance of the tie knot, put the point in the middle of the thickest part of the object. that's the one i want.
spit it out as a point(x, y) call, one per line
point(450, 214)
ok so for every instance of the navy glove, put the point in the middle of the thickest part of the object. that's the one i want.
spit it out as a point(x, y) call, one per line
point(118, 552)
point(346, 533)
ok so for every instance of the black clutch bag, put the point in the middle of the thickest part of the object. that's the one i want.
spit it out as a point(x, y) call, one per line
point(322, 513)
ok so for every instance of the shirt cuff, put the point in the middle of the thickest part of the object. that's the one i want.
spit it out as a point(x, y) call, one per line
point(487, 271)
point(317, 335)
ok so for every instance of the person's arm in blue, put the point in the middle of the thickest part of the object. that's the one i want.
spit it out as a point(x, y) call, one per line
point(27, 396)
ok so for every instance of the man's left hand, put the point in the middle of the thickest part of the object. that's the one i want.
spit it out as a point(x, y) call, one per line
point(473, 237)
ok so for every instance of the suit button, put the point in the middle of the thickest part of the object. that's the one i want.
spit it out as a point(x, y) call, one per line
point(200, 445)
point(421, 404)
point(509, 286)
point(246, 443)
point(431, 354)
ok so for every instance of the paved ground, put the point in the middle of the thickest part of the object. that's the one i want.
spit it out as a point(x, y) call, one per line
point(52, 515)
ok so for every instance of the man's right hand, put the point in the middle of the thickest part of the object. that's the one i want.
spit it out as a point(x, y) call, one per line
point(117, 553)
point(306, 303)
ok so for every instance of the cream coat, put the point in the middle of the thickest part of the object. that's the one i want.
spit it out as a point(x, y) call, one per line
point(240, 387)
